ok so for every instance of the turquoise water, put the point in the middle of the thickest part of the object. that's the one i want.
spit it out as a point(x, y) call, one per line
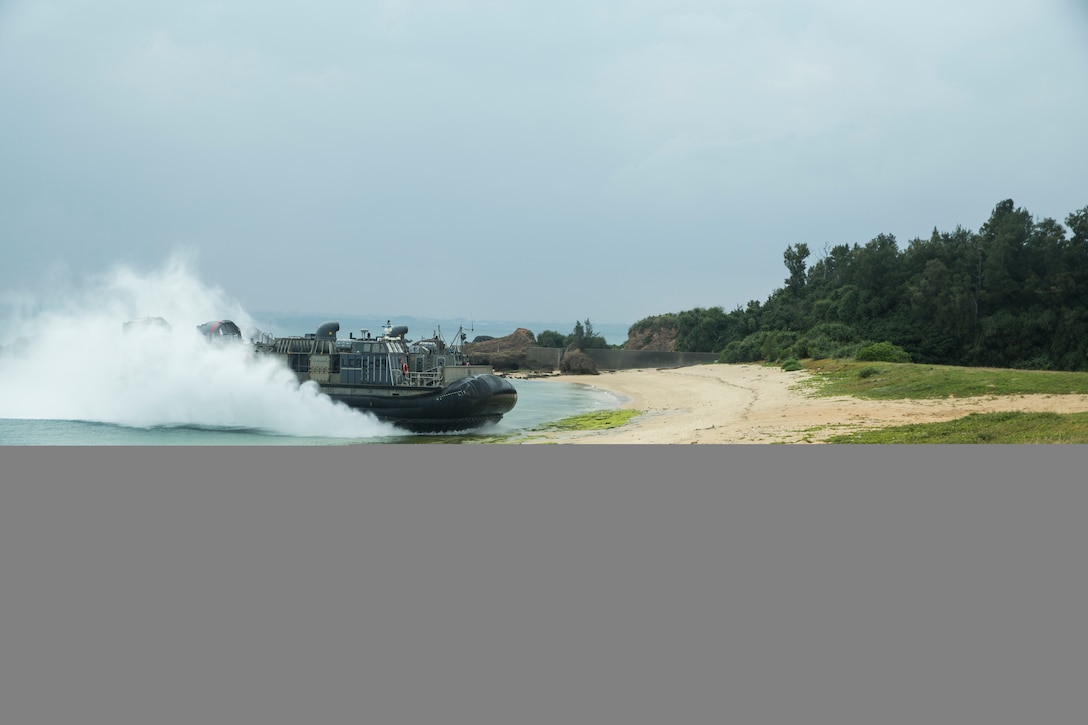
point(538, 402)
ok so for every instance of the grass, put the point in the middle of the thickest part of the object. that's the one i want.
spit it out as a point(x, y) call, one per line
point(897, 381)
point(994, 428)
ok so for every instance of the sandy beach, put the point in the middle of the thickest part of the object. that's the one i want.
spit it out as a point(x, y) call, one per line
point(763, 404)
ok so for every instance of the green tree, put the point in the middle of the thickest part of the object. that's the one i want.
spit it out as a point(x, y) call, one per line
point(1013, 294)
point(1001, 244)
point(577, 336)
point(1075, 257)
point(583, 337)
point(708, 330)
point(550, 338)
point(795, 257)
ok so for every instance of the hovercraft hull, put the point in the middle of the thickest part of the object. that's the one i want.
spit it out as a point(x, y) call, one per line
point(464, 404)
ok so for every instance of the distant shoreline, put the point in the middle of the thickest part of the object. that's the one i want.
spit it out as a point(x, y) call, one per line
point(615, 333)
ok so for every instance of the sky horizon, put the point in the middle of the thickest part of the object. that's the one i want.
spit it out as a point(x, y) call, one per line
point(603, 160)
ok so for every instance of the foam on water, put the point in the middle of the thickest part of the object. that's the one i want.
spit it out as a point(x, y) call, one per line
point(68, 358)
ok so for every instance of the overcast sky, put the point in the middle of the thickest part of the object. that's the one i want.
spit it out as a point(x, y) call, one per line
point(521, 160)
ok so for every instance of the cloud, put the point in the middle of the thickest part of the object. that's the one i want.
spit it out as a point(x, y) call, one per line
point(168, 72)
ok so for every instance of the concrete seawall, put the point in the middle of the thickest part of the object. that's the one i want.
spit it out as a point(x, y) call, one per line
point(609, 359)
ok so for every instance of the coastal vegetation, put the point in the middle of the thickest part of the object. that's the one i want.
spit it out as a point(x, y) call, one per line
point(1014, 294)
point(582, 337)
point(597, 420)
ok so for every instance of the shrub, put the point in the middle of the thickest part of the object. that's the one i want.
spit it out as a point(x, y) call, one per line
point(1035, 363)
point(777, 343)
point(741, 351)
point(791, 364)
point(550, 338)
point(767, 345)
point(882, 352)
point(836, 331)
point(846, 351)
point(868, 372)
point(577, 362)
point(813, 347)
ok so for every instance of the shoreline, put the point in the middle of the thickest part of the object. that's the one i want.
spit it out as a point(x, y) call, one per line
point(751, 403)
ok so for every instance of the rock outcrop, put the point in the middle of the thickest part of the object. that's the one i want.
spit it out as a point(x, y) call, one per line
point(656, 338)
point(502, 353)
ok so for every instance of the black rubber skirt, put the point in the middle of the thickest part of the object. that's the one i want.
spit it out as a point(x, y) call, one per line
point(465, 404)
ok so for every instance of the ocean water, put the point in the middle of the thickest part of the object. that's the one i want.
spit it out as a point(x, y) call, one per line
point(538, 402)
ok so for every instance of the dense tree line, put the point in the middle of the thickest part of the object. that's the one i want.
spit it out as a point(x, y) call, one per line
point(1012, 294)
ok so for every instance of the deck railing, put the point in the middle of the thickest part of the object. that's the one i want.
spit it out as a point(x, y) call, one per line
point(427, 378)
